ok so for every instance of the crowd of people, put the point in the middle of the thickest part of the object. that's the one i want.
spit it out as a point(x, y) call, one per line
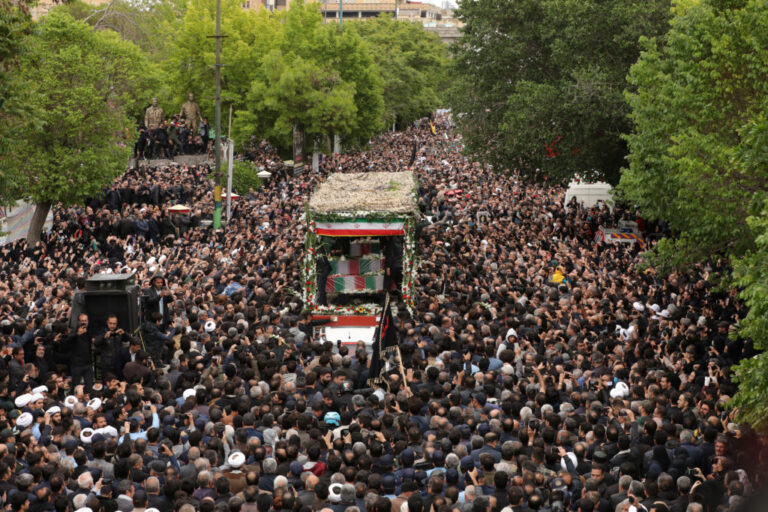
point(540, 371)
point(170, 139)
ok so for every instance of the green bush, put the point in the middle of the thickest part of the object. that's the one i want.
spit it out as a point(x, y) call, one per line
point(245, 177)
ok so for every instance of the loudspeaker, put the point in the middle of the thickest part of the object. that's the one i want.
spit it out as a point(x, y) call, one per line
point(109, 282)
point(99, 304)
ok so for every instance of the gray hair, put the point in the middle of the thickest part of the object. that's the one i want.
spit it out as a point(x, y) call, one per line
point(348, 492)
point(153, 484)
point(85, 480)
point(371, 498)
point(684, 484)
point(204, 478)
point(270, 466)
point(202, 464)
point(625, 481)
point(79, 501)
point(68, 466)
point(460, 450)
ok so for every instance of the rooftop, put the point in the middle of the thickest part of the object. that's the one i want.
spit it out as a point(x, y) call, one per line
point(366, 192)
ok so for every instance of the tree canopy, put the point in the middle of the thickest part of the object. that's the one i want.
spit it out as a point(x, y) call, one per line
point(15, 25)
point(316, 76)
point(413, 65)
point(189, 57)
point(87, 73)
point(538, 84)
point(698, 158)
point(146, 23)
point(79, 83)
point(357, 81)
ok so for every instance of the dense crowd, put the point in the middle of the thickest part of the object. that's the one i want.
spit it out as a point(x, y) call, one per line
point(545, 372)
point(171, 138)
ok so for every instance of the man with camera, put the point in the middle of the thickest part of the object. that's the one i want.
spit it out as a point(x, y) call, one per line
point(79, 344)
point(109, 345)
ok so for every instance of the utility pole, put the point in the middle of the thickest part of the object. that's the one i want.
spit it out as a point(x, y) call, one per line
point(341, 14)
point(217, 139)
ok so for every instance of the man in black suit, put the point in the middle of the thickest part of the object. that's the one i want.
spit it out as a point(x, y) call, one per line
point(129, 354)
point(79, 344)
point(621, 495)
point(109, 344)
point(491, 442)
point(157, 299)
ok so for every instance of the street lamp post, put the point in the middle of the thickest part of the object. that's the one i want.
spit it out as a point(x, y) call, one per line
point(217, 138)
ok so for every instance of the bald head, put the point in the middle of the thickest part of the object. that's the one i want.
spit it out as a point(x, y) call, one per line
point(311, 482)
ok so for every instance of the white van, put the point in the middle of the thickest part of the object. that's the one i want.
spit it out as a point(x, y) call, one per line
point(589, 194)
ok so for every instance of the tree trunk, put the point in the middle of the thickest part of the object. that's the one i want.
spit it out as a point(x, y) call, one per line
point(315, 157)
point(298, 144)
point(37, 222)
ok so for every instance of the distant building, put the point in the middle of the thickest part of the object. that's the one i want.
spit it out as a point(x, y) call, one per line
point(271, 5)
point(358, 9)
point(435, 19)
point(449, 34)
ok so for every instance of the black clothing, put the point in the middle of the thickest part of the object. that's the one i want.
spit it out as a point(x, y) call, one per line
point(80, 349)
point(108, 346)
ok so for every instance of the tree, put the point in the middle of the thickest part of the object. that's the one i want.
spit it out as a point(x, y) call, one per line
point(296, 91)
point(145, 23)
point(537, 86)
point(15, 25)
point(245, 176)
point(412, 63)
point(189, 59)
point(751, 274)
point(696, 156)
point(698, 159)
point(81, 82)
point(315, 76)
